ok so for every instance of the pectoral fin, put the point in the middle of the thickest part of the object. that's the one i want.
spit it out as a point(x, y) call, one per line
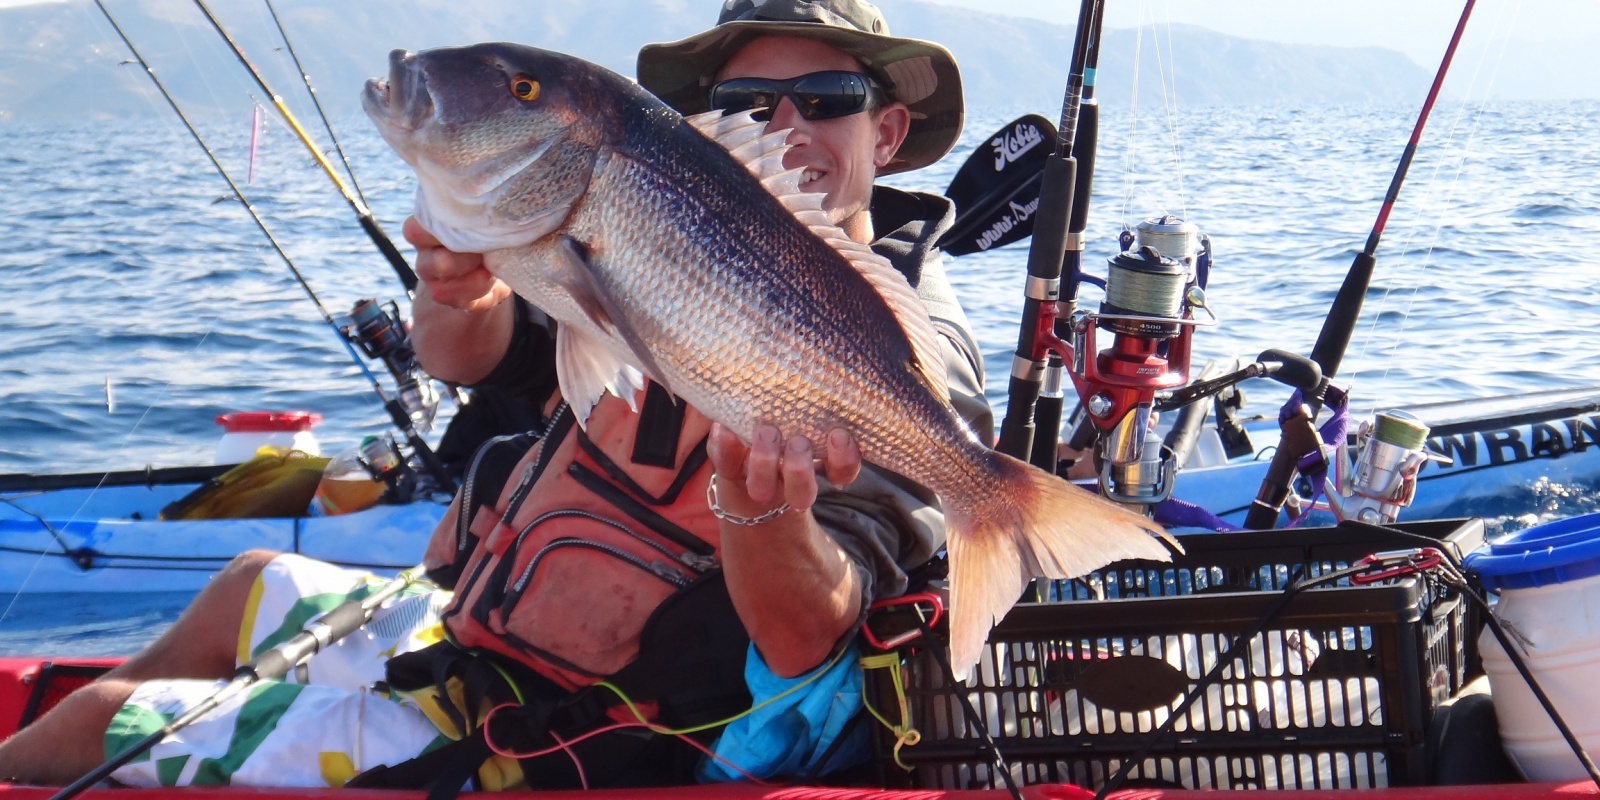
point(587, 369)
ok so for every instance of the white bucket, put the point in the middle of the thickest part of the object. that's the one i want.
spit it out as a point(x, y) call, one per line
point(1548, 578)
point(246, 431)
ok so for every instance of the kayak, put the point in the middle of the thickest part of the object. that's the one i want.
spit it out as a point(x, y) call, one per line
point(1335, 695)
point(1501, 450)
point(101, 532)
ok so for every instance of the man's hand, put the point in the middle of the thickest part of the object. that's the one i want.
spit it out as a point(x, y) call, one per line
point(770, 472)
point(458, 280)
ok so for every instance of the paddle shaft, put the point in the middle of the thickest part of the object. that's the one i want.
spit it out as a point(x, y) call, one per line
point(363, 214)
point(1047, 250)
point(321, 632)
point(1340, 324)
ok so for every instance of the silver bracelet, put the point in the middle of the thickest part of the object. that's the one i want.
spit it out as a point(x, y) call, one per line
point(727, 516)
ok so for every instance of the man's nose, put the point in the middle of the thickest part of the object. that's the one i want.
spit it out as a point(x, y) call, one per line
point(785, 115)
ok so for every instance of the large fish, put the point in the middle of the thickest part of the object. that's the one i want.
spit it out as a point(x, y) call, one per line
point(682, 250)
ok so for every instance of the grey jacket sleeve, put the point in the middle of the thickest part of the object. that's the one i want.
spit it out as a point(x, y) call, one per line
point(883, 520)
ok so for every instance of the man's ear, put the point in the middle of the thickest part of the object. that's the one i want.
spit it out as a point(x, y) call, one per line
point(894, 121)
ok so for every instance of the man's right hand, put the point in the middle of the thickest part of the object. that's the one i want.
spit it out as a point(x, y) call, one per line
point(458, 280)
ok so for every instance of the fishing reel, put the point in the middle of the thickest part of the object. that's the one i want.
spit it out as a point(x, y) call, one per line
point(1153, 289)
point(1383, 479)
point(380, 334)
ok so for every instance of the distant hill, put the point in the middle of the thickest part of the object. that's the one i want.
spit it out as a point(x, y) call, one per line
point(60, 60)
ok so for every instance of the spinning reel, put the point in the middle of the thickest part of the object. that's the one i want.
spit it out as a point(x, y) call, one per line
point(1153, 289)
point(1383, 479)
point(380, 334)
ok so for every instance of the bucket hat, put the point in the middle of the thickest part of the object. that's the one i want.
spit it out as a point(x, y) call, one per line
point(921, 74)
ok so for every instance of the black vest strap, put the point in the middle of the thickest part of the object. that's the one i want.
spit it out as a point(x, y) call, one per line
point(661, 420)
point(690, 663)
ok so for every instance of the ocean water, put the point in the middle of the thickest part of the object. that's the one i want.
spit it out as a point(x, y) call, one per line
point(140, 301)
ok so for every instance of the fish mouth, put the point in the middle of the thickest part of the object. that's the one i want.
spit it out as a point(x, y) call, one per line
point(402, 101)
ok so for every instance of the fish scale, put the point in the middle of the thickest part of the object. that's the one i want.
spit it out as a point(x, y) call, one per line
point(664, 257)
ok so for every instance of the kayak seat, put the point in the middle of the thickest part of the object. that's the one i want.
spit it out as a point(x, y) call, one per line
point(53, 683)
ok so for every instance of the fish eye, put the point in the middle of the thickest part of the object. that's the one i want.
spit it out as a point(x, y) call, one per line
point(524, 88)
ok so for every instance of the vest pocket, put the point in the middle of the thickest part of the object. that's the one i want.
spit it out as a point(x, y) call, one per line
point(582, 586)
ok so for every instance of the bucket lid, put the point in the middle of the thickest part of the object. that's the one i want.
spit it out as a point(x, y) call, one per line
point(268, 421)
point(1555, 552)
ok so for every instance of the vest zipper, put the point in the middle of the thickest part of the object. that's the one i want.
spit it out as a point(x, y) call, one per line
point(531, 470)
point(696, 563)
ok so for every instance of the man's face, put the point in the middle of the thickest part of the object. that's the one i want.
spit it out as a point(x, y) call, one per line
point(841, 156)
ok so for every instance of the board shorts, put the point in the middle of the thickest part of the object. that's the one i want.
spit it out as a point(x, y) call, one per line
point(320, 725)
point(323, 723)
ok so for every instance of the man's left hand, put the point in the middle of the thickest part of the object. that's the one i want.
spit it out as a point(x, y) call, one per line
point(770, 472)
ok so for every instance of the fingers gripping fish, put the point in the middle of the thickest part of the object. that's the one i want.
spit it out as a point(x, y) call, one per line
point(682, 251)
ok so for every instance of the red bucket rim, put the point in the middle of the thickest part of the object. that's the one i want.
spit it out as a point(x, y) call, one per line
point(268, 421)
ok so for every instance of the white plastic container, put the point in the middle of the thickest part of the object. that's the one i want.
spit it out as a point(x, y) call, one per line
point(243, 432)
point(1548, 578)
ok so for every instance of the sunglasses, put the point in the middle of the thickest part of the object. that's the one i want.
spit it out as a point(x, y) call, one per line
point(818, 95)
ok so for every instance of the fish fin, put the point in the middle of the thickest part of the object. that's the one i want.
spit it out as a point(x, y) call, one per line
point(734, 130)
point(927, 355)
point(576, 275)
point(762, 153)
point(1034, 525)
point(585, 370)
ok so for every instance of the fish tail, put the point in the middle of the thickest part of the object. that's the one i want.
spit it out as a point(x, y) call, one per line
point(1034, 525)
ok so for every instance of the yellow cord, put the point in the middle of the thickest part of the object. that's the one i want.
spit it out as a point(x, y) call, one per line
point(639, 715)
point(904, 733)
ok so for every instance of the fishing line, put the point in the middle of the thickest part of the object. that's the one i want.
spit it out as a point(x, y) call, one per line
point(397, 413)
point(311, 90)
point(1128, 174)
point(77, 556)
point(1169, 104)
point(1449, 195)
point(363, 214)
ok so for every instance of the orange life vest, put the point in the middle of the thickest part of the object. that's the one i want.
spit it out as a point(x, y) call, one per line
point(596, 528)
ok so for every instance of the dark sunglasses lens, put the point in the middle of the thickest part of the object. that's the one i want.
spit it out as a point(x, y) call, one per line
point(743, 95)
point(826, 95)
point(819, 95)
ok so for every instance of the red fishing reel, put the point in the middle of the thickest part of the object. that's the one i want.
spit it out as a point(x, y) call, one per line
point(1152, 294)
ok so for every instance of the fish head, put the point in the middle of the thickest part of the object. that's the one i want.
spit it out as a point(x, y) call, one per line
point(503, 138)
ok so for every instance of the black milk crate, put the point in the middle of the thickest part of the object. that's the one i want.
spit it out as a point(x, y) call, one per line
point(1337, 692)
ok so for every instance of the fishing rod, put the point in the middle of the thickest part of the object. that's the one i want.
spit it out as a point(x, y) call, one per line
point(1340, 323)
point(397, 410)
point(311, 90)
point(318, 634)
point(1046, 253)
point(1085, 142)
point(386, 246)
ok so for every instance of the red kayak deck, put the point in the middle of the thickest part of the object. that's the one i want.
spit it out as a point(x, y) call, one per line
point(19, 678)
point(1525, 791)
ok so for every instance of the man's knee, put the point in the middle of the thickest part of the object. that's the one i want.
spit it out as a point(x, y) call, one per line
point(243, 569)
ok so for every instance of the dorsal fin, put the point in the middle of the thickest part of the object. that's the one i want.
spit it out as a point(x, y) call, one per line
point(762, 153)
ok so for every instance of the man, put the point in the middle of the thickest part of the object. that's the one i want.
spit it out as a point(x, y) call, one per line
point(777, 572)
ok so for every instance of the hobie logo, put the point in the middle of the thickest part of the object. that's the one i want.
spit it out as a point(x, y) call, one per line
point(1010, 146)
point(1018, 215)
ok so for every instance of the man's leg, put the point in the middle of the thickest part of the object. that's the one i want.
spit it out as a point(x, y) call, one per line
point(65, 744)
point(204, 642)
